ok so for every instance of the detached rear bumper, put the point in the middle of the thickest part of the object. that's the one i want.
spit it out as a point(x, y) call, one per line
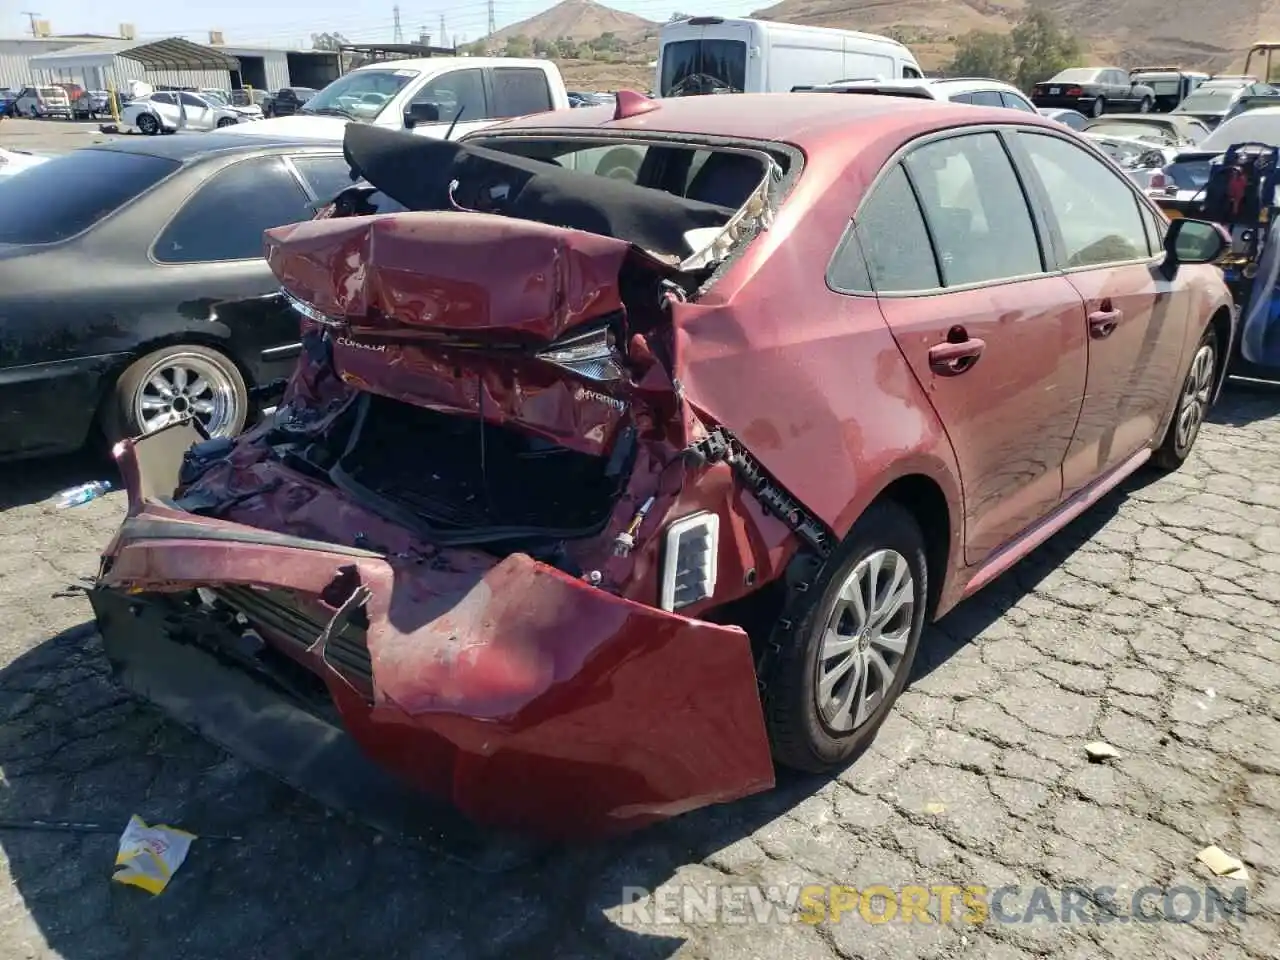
point(526, 698)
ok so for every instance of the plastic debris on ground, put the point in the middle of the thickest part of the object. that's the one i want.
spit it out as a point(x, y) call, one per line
point(74, 496)
point(150, 856)
point(1098, 751)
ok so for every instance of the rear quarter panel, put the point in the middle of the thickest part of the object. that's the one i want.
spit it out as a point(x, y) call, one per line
point(811, 381)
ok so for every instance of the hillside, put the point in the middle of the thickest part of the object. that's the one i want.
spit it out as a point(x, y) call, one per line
point(578, 20)
point(1128, 34)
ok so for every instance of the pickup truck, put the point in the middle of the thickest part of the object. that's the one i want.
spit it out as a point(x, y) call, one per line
point(432, 97)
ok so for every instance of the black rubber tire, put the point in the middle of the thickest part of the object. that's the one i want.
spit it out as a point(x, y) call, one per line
point(797, 734)
point(1146, 105)
point(117, 417)
point(148, 124)
point(225, 122)
point(1171, 455)
point(1099, 107)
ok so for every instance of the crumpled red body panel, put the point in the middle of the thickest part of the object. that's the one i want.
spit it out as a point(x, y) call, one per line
point(525, 696)
point(434, 272)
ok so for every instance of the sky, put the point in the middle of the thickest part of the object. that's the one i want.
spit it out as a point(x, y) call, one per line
point(291, 24)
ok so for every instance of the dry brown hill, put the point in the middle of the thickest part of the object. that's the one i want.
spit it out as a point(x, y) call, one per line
point(1188, 32)
point(579, 20)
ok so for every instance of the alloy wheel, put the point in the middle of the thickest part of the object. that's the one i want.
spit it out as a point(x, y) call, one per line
point(1193, 405)
point(186, 385)
point(865, 640)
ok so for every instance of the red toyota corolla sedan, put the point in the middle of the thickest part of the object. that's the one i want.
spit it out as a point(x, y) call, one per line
point(631, 448)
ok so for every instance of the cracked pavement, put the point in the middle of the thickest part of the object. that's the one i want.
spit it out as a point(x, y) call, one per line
point(1153, 623)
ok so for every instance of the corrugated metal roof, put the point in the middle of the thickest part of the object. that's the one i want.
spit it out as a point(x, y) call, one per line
point(172, 54)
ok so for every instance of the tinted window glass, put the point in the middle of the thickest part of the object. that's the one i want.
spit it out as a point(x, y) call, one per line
point(519, 90)
point(454, 91)
point(1095, 208)
point(225, 218)
point(703, 66)
point(1016, 102)
point(894, 239)
point(975, 209)
point(910, 73)
point(962, 98)
point(327, 176)
point(193, 101)
point(1157, 227)
point(986, 98)
point(108, 180)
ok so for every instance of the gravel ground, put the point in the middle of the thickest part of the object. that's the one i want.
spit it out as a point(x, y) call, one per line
point(1152, 624)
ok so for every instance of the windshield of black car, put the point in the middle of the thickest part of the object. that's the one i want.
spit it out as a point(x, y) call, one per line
point(360, 95)
point(692, 67)
point(106, 180)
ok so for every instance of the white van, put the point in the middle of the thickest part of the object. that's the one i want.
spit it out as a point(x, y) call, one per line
point(721, 55)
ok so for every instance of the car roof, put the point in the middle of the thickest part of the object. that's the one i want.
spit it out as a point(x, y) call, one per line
point(802, 119)
point(191, 146)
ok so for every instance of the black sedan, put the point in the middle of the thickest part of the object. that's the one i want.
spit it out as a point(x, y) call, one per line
point(1093, 91)
point(133, 289)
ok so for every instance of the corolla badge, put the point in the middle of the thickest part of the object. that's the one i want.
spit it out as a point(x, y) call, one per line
point(348, 342)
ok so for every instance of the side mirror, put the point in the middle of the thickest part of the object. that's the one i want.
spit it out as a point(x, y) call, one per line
point(1192, 241)
point(421, 113)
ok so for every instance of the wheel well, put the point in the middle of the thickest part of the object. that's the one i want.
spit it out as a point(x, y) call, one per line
point(185, 339)
point(923, 499)
point(1221, 323)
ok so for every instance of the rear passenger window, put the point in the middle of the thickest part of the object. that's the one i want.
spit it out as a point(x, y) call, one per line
point(986, 98)
point(327, 176)
point(894, 240)
point(975, 209)
point(1016, 103)
point(518, 91)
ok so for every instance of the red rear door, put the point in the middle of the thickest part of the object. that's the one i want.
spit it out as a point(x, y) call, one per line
point(996, 342)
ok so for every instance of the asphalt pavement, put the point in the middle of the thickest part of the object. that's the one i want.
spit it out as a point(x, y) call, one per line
point(1151, 624)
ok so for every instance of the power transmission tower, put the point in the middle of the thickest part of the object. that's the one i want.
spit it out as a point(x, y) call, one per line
point(32, 17)
point(398, 36)
point(493, 26)
point(444, 41)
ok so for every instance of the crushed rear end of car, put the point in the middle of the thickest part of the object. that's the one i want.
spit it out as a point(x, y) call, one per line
point(488, 536)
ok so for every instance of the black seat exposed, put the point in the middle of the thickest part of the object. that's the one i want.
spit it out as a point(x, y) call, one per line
point(726, 180)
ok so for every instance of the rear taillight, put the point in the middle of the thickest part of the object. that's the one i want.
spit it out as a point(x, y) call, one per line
point(1158, 181)
point(1074, 91)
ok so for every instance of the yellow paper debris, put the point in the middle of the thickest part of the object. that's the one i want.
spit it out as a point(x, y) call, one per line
point(935, 807)
point(149, 856)
point(1221, 862)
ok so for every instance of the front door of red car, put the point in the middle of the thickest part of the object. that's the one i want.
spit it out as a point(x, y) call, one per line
point(995, 340)
point(1135, 319)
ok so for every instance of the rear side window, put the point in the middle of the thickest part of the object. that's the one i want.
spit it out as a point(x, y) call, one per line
point(894, 239)
point(975, 209)
point(225, 218)
point(1016, 102)
point(986, 98)
point(518, 91)
point(107, 181)
point(327, 176)
point(910, 73)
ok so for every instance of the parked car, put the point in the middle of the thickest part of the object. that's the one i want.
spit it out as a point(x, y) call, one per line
point(246, 98)
point(1093, 91)
point(598, 548)
point(8, 97)
point(1212, 100)
point(1171, 85)
point(1179, 187)
point(92, 104)
point(433, 97)
point(1248, 102)
point(37, 102)
point(287, 102)
point(1143, 144)
point(15, 161)
point(1073, 119)
point(168, 110)
point(986, 93)
point(142, 295)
